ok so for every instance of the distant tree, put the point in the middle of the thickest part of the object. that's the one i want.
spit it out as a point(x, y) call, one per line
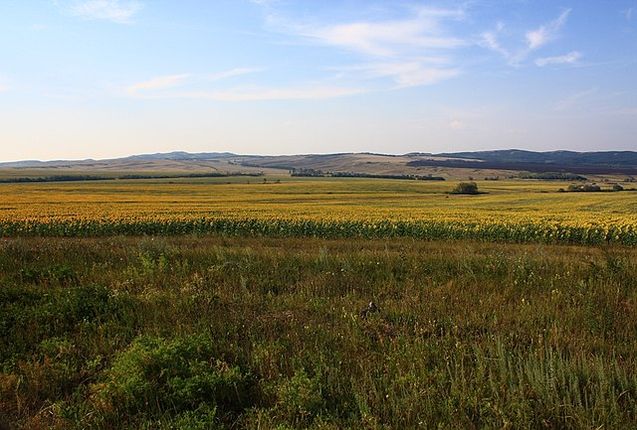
point(618, 187)
point(466, 188)
point(586, 188)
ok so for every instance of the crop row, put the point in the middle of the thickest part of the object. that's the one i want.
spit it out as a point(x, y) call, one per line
point(529, 232)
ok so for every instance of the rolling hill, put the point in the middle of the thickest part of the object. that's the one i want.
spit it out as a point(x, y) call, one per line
point(505, 163)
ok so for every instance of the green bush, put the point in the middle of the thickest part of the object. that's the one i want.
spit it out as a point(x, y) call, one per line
point(586, 188)
point(466, 188)
point(155, 375)
point(300, 399)
point(27, 316)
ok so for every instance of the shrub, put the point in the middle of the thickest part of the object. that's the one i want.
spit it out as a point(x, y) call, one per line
point(618, 187)
point(155, 375)
point(586, 188)
point(300, 399)
point(466, 188)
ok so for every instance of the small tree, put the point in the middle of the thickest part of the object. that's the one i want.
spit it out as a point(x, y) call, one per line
point(618, 187)
point(466, 188)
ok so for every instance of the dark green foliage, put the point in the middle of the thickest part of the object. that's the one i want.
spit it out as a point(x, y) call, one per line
point(552, 176)
point(312, 173)
point(466, 188)
point(585, 188)
point(157, 377)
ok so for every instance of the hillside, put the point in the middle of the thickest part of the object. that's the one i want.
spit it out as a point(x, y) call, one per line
point(502, 163)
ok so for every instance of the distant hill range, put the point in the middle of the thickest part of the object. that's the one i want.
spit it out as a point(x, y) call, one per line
point(619, 162)
point(503, 162)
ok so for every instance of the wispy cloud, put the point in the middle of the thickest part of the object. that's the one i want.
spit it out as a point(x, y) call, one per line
point(533, 39)
point(239, 71)
point(406, 73)
point(546, 33)
point(159, 83)
point(490, 40)
point(287, 93)
point(570, 58)
point(308, 92)
point(118, 11)
point(574, 100)
point(628, 13)
point(166, 87)
point(411, 51)
point(422, 31)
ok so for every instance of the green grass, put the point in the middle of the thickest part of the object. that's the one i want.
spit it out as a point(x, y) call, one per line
point(187, 333)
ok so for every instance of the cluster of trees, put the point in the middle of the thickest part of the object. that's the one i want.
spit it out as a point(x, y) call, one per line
point(193, 175)
point(466, 188)
point(559, 176)
point(590, 188)
point(56, 178)
point(321, 174)
point(80, 178)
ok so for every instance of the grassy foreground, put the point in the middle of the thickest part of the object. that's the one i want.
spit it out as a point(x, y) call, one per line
point(207, 333)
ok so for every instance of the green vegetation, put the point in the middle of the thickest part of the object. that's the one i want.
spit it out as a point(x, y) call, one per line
point(593, 188)
point(466, 188)
point(553, 176)
point(313, 173)
point(82, 178)
point(585, 188)
point(211, 333)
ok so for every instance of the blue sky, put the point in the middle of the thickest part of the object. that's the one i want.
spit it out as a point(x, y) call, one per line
point(105, 78)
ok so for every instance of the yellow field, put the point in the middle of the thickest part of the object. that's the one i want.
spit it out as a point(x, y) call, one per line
point(511, 210)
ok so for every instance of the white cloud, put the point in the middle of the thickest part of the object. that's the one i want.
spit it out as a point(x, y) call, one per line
point(159, 83)
point(170, 81)
point(233, 73)
point(119, 11)
point(456, 124)
point(490, 40)
point(547, 32)
point(570, 58)
point(310, 92)
point(410, 51)
point(533, 39)
point(404, 74)
point(299, 93)
point(421, 31)
point(163, 87)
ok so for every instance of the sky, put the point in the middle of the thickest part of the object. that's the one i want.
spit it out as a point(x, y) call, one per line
point(108, 78)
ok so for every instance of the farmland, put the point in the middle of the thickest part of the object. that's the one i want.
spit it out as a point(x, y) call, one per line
point(322, 303)
point(510, 211)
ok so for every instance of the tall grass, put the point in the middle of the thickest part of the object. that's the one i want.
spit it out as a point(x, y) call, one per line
point(192, 332)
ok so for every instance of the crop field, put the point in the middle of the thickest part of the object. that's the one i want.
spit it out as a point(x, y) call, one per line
point(509, 211)
point(291, 303)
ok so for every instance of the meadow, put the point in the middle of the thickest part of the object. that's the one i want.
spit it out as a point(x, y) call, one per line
point(509, 211)
point(267, 333)
point(244, 303)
